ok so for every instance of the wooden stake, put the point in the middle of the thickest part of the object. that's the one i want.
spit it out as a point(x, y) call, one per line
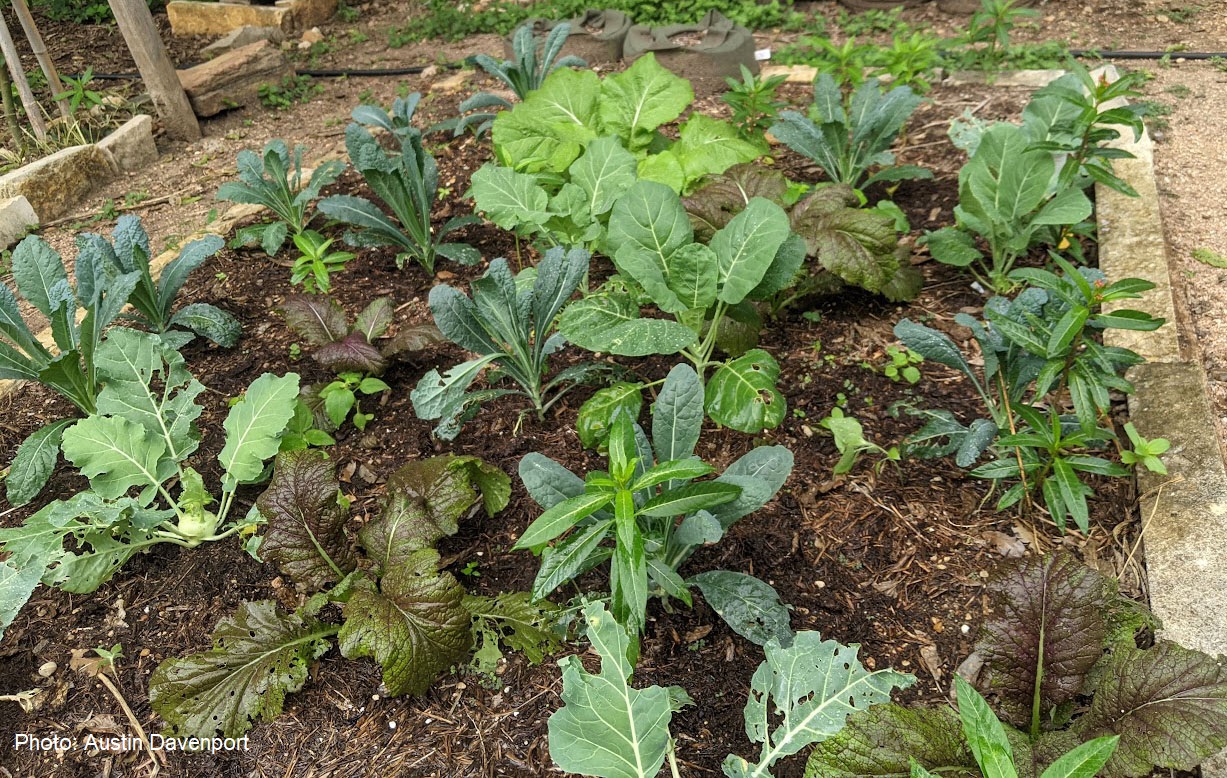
point(158, 72)
point(10, 112)
point(34, 112)
point(40, 53)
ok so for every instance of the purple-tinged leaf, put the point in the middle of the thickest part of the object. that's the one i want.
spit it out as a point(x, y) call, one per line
point(318, 319)
point(416, 338)
point(351, 354)
point(1048, 625)
point(306, 526)
point(375, 319)
point(881, 741)
point(713, 206)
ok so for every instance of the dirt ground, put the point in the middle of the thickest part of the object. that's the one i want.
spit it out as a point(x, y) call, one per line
point(891, 560)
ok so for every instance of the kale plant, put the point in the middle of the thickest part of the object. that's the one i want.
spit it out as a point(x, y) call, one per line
point(274, 179)
point(396, 605)
point(656, 514)
point(848, 140)
point(706, 290)
point(508, 323)
point(408, 184)
point(1060, 636)
point(141, 432)
point(1038, 352)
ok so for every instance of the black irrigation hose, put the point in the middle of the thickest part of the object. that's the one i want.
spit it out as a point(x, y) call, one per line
point(417, 69)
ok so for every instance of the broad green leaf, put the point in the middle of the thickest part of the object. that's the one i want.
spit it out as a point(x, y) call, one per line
point(932, 345)
point(18, 579)
point(34, 463)
point(881, 742)
point(742, 394)
point(677, 416)
point(549, 130)
point(259, 655)
point(415, 625)
point(37, 269)
point(597, 413)
point(708, 146)
point(663, 168)
point(984, 733)
point(115, 454)
point(646, 227)
point(605, 172)
point(610, 324)
point(509, 199)
point(1003, 180)
point(436, 395)
point(605, 728)
point(761, 473)
point(636, 101)
point(212, 322)
point(306, 535)
point(746, 247)
point(1085, 761)
point(1069, 207)
point(691, 275)
point(560, 518)
point(254, 426)
point(952, 246)
point(749, 606)
point(803, 695)
point(690, 498)
point(548, 482)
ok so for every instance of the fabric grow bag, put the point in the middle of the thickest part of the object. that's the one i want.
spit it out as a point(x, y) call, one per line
point(596, 37)
point(725, 46)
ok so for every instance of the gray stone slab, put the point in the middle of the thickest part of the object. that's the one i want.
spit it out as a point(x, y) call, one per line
point(17, 217)
point(131, 147)
point(1022, 78)
point(243, 36)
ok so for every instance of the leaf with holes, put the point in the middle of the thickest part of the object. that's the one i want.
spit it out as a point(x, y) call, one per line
point(743, 395)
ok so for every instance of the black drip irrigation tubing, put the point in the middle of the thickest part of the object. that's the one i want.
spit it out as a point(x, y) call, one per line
point(418, 69)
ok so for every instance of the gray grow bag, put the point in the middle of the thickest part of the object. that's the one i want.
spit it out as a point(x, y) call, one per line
point(596, 37)
point(723, 49)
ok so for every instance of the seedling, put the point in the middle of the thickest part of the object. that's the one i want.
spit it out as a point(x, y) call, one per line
point(1145, 452)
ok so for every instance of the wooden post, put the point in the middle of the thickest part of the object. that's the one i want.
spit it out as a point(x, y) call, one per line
point(34, 111)
point(40, 53)
point(136, 24)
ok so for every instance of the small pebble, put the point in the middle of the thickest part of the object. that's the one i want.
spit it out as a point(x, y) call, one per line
point(48, 669)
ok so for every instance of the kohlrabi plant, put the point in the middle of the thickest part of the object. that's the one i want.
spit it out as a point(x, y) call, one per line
point(849, 245)
point(133, 448)
point(1038, 354)
point(848, 140)
point(274, 179)
point(395, 603)
point(408, 184)
point(523, 75)
point(576, 145)
point(508, 323)
point(705, 289)
point(651, 507)
point(1063, 669)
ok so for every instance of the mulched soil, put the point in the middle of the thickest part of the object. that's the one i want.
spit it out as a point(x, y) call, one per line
point(891, 557)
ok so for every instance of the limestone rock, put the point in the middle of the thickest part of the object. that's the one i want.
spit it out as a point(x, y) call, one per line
point(234, 79)
point(196, 18)
point(16, 218)
point(55, 184)
point(131, 147)
point(243, 36)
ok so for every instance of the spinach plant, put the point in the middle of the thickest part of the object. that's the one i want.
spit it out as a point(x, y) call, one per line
point(139, 436)
point(273, 179)
point(396, 605)
point(523, 75)
point(1038, 353)
point(1059, 634)
point(508, 324)
point(849, 245)
point(706, 289)
point(848, 140)
point(656, 514)
point(408, 184)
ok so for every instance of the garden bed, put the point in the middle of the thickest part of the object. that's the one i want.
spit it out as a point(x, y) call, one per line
point(894, 559)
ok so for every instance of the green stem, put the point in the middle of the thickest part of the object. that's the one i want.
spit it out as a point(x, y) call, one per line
point(672, 752)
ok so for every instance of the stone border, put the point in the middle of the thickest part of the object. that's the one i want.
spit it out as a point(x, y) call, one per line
point(52, 186)
point(190, 17)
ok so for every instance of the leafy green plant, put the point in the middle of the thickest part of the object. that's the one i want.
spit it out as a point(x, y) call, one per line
point(1060, 634)
point(408, 184)
point(316, 264)
point(850, 245)
point(508, 323)
point(288, 92)
point(902, 365)
point(340, 397)
point(988, 32)
point(850, 441)
point(398, 122)
point(1145, 452)
point(139, 436)
point(656, 514)
point(601, 706)
point(78, 94)
point(701, 287)
point(274, 179)
point(753, 101)
point(1038, 353)
point(803, 693)
point(396, 605)
point(847, 140)
point(523, 75)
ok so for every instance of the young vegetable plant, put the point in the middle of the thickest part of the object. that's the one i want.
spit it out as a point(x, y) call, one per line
point(340, 397)
point(274, 179)
point(523, 75)
point(508, 324)
point(849, 139)
point(656, 515)
point(408, 184)
point(851, 443)
point(753, 101)
point(398, 122)
point(316, 264)
point(396, 605)
point(1061, 635)
point(139, 436)
point(707, 291)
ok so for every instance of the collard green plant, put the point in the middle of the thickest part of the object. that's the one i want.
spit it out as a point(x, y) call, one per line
point(140, 435)
point(848, 244)
point(508, 323)
point(273, 179)
point(655, 512)
point(523, 75)
point(802, 694)
point(1060, 633)
point(396, 605)
point(707, 291)
point(847, 140)
point(408, 184)
point(128, 251)
point(605, 727)
point(1038, 352)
